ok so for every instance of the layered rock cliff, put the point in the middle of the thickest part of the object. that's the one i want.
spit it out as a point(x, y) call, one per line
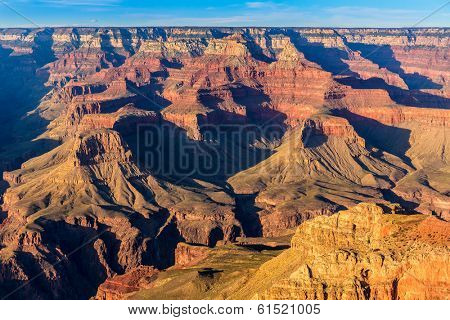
point(256, 131)
point(361, 253)
point(87, 206)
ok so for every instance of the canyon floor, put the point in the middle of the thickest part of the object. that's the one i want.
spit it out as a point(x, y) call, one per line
point(224, 163)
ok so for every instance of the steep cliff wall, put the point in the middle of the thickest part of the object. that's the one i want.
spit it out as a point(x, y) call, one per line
point(361, 253)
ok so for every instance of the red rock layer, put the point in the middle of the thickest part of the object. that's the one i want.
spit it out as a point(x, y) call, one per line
point(85, 79)
point(120, 286)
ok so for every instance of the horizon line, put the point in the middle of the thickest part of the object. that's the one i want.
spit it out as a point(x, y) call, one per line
point(225, 27)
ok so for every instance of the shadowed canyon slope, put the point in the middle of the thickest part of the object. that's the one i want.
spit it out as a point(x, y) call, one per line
point(128, 151)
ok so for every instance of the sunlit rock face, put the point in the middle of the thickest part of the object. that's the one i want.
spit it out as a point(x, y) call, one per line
point(366, 252)
point(254, 132)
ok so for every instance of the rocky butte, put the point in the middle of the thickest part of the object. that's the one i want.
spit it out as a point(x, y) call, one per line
point(285, 163)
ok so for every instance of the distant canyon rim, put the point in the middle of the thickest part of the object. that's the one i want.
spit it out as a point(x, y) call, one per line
point(225, 163)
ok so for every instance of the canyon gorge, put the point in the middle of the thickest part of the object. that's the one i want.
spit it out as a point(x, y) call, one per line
point(224, 163)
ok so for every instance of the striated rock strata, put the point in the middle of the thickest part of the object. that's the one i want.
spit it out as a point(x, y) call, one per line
point(326, 118)
point(361, 253)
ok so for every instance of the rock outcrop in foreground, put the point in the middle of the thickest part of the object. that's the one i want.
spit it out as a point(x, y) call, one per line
point(367, 252)
point(360, 253)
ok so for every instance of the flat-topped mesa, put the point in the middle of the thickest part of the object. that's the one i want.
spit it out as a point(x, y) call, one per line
point(331, 127)
point(71, 89)
point(124, 120)
point(115, 89)
point(99, 147)
point(295, 86)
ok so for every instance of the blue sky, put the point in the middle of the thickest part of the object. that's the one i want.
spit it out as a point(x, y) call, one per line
point(375, 13)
